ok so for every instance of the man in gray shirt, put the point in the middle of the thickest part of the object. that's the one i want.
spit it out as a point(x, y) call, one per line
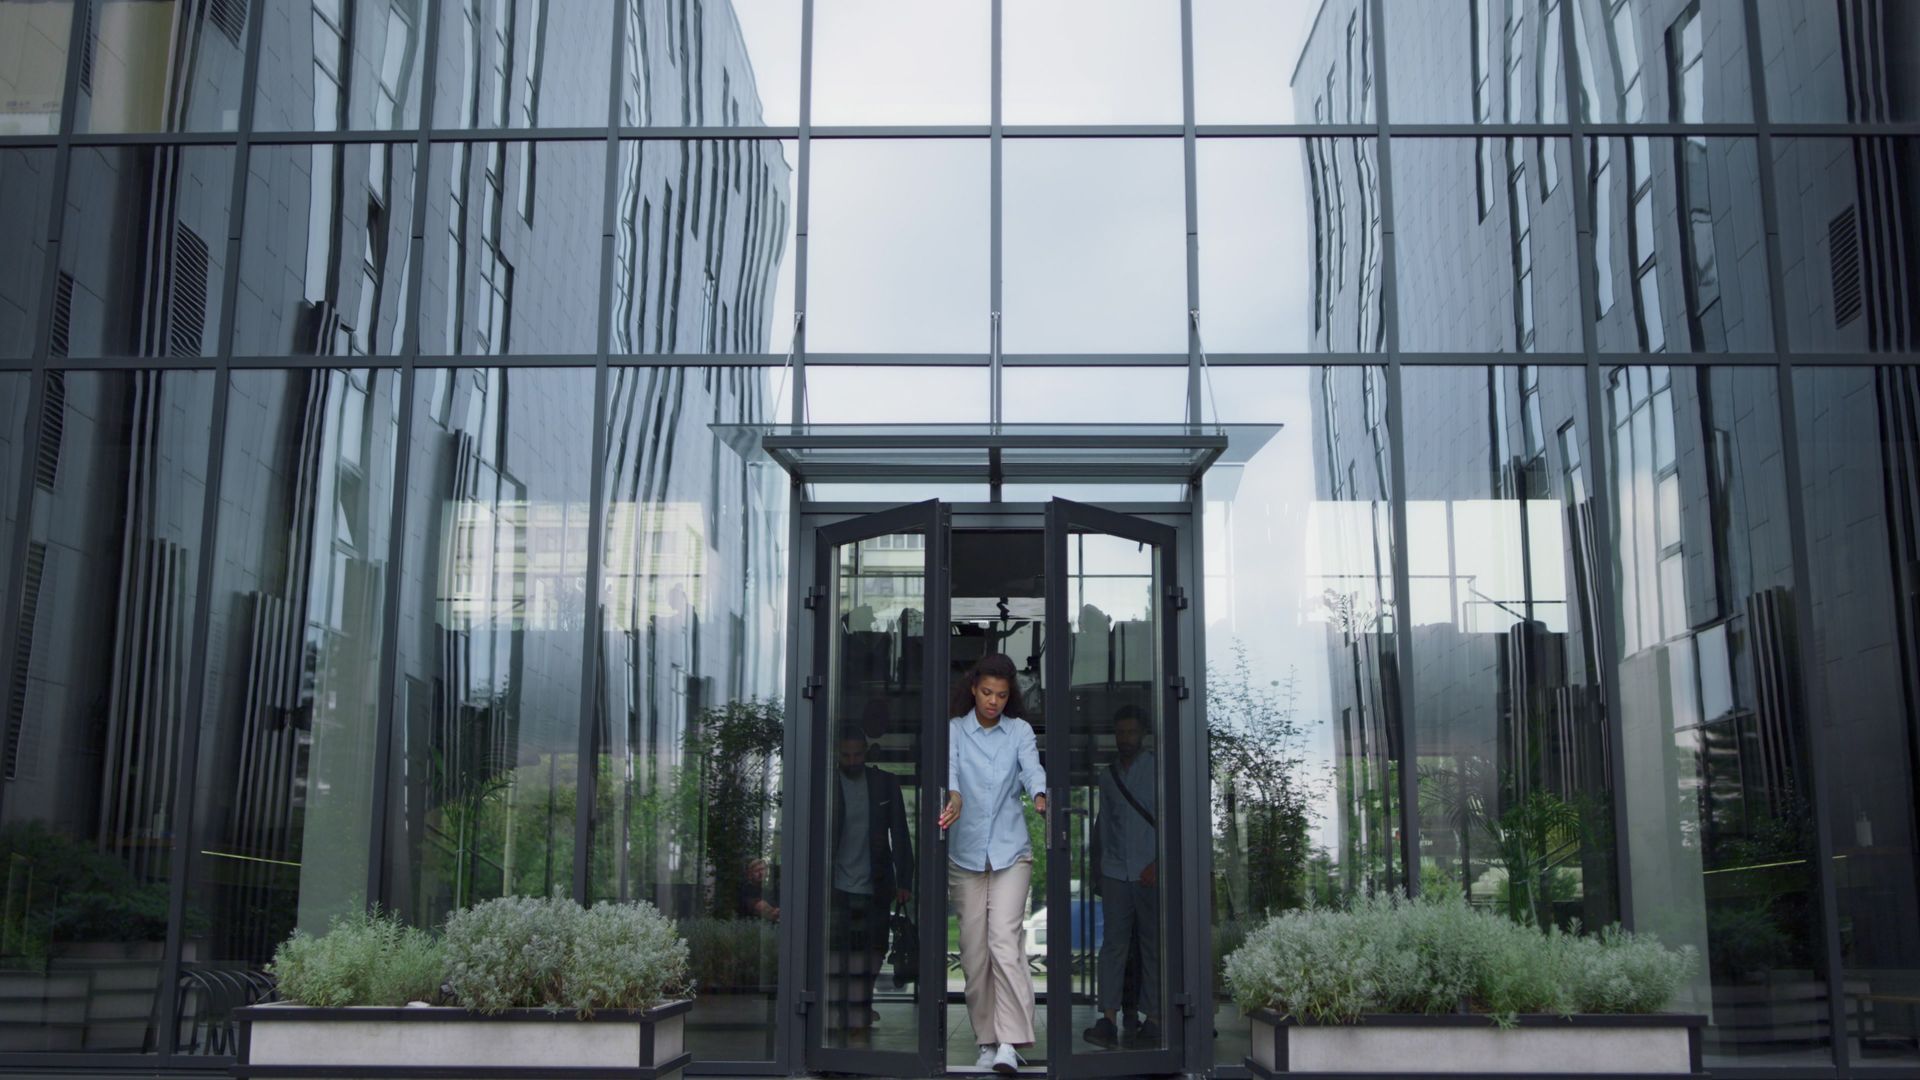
point(872, 870)
point(1127, 852)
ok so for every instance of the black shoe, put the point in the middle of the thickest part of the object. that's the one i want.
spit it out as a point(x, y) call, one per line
point(1102, 1034)
point(1147, 1035)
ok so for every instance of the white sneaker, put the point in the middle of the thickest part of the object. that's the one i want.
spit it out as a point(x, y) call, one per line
point(1006, 1061)
point(987, 1053)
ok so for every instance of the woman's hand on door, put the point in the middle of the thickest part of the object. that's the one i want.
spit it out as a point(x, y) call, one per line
point(950, 813)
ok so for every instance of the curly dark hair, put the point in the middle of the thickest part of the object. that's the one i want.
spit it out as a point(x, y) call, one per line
point(990, 666)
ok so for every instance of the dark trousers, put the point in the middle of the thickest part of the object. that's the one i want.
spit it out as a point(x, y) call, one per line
point(856, 948)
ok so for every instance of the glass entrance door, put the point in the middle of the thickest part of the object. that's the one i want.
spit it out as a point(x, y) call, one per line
point(876, 868)
point(1112, 700)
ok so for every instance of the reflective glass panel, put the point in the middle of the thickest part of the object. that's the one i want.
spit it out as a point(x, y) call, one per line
point(1091, 62)
point(1291, 250)
point(1516, 808)
point(161, 65)
point(1679, 250)
point(887, 62)
point(1502, 210)
point(1662, 61)
point(95, 737)
point(1117, 740)
point(734, 64)
point(897, 240)
point(896, 395)
point(1073, 395)
point(488, 700)
point(144, 249)
point(1095, 246)
point(33, 68)
point(340, 66)
point(286, 783)
point(1719, 824)
point(687, 747)
point(26, 199)
point(1476, 61)
point(1851, 283)
point(1829, 62)
point(324, 255)
point(1858, 444)
point(16, 394)
point(1257, 62)
point(513, 248)
point(703, 247)
point(1302, 719)
point(504, 64)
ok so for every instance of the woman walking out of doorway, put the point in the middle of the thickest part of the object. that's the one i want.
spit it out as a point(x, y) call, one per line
point(992, 759)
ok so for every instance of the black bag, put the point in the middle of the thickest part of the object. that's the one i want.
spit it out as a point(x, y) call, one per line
point(905, 955)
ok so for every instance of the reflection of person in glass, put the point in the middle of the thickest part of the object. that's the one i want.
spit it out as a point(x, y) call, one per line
point(992, 758)
point(753, 893)
point(1127, 851)
point(872, 870)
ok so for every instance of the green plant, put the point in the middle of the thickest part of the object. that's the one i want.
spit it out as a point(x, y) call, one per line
point(64, 891)
point(1264, 789)
point(1438, 955)
point(362, 959)
point(731, 953)
point(526, 952)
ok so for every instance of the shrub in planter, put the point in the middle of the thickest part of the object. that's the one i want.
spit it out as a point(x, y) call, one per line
point(731, 954)
point(527, 952)
point(362, 959)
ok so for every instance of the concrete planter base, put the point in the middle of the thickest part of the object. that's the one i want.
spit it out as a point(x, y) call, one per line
point(283, 1040)
point(1657, 1045)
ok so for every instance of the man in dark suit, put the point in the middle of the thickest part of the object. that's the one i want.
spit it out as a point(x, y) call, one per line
point(871, 866)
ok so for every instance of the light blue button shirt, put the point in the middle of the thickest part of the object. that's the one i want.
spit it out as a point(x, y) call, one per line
point(990, 767)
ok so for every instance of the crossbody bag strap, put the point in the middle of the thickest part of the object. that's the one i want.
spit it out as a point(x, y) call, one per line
point(1114, 772)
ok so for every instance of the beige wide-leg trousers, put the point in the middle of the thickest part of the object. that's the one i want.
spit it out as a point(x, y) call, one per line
point(990, 905)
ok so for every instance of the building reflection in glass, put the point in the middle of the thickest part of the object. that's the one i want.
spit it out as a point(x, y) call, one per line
point(97, 721)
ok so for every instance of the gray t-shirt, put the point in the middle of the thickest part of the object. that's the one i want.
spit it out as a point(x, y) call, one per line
point(853, 857)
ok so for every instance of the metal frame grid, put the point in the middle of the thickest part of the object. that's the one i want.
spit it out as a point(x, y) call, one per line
point(1394, 359)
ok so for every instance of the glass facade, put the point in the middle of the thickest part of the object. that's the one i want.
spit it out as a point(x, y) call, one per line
point(371, 536)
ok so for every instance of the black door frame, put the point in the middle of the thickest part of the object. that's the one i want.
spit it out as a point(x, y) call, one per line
point(1188, 941)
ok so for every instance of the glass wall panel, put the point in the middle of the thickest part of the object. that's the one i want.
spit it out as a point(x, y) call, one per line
point(1302, 709)
point(1516, 807)
point(161, 65)
point(33, 68)
point(511, 65)
point(1834, 62)
point(687, 741)
point(513, 248)
point(1072, 395)
point(1859, 447)
point(324, 257)
point(885, 62)
point(734, 64)
point(352, 66)
point(1095, 246)
point(1720, 832)
point(1479, 61)
point(1091, 62)
point(897, 238)
point(284, 795)
point(1502, 211)
point(96, 729)
point(16, 397)
point(897, 395)
point(1662, 61)
point(144, 250)
point(1263, 63)
point(1679, 245)
point(1849, 213)
point(482, 794)
point(1290, 245)
point(26, 201)
point(703, 247)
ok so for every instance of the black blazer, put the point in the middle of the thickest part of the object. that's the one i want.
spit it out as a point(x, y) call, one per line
point(888, 842)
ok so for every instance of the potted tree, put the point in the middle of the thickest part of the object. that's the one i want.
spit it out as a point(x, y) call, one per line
point(1432, 986)
point(515, 987)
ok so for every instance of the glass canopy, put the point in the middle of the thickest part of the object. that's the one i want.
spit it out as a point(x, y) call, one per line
point(996, 453)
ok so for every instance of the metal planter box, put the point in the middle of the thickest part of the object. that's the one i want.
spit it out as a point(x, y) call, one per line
point(1385, 1044)
point(281, 1040)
